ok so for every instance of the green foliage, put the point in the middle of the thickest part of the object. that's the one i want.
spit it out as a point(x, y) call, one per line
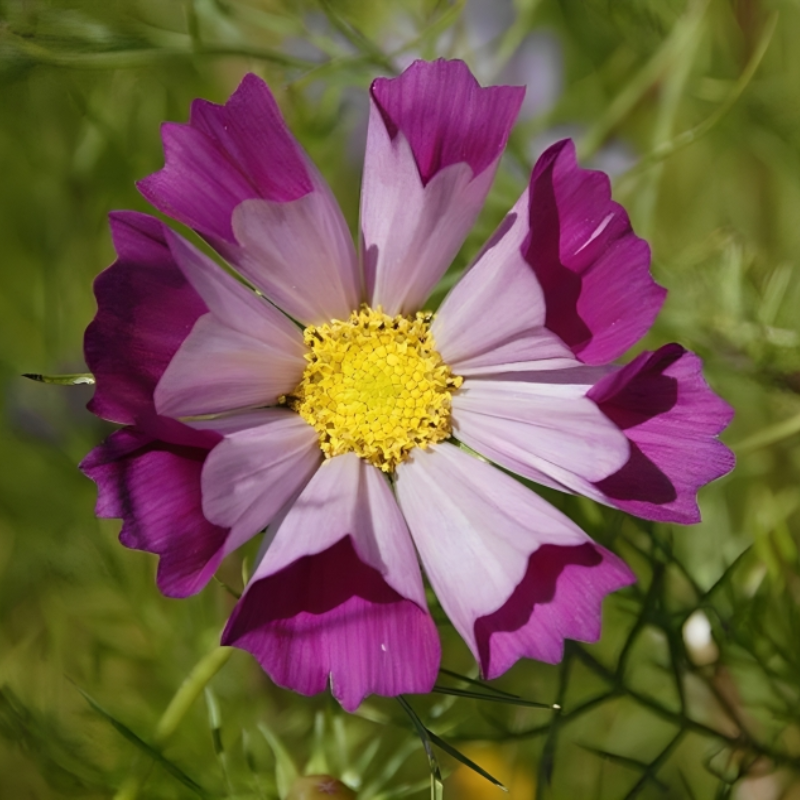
point(696, 102)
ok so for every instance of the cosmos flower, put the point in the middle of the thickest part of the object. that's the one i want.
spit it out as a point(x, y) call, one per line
point(316, 397)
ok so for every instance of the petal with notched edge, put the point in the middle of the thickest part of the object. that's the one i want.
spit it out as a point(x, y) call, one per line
point(225, 155)
point(479, 534)
point(672, 418)
point(594, 271)
point(338, 595)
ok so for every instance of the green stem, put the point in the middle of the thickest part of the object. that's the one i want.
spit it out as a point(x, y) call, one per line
point(146, 56)
point(191, 688)
point(684, 721)
point(686, 138)
point(689, 30)
point(631, 94)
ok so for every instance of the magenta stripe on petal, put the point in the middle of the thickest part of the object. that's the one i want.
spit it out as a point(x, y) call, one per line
point(225, 155)
point(671, 417)
point(145, 310)
point(329, 615)
point(594, 271)
point(155, 488)
point(559, 598)
point(446, 116)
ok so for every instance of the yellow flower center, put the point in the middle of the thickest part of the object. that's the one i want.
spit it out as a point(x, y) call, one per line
point(375, 386)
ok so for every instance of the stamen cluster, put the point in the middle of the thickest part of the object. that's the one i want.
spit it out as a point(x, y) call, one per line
point(375, 386)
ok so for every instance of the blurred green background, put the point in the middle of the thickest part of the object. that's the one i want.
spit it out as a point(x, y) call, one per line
point(693, 106)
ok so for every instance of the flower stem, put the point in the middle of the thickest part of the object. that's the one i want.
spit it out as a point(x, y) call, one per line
point(191, 688)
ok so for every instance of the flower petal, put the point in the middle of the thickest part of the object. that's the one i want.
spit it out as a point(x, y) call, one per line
point(244, 352)
point(494, 318)
point(225, 155)
point(339, 595)
point(154, 487)
point(231, 302)
point(446, 116)
point(594, 271)
point(218, 369)
point(300, 254)
point(476, 529)
point(434, 141)
point(559, 598)
point(145, 310)
point(547, 432)
point(252, 473)
point(672, 418)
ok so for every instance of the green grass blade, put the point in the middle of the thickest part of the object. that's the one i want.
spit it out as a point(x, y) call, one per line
point(286, 771)
point(123, 729)
point(686, 138)
point(474, 682)
point(492, 698)
point(459, 756)
point(425, 738)
point(428, 738)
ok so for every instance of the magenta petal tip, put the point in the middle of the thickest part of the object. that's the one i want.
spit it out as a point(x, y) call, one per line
point(559, 598)
point(446, 116)
point(330, 617)
point(594, 271)
point(672, 419)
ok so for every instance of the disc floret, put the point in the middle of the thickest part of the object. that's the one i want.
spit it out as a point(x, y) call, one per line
point(375, 385)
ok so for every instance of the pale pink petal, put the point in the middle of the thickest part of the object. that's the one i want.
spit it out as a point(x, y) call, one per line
point(245, 352)
point(338, 595)
point(411, 232)
point(232, 303)
point(564, 271)
point(154, 486)
point(354, 499)
point(292, 240)
point(225, 155)
point(301, 255)
point(254, 471)
point(219, 369)
point(547, 432)
point(672, 419)
point(226, 424)
point(494, 318)
point(593, 270)
point(475, 529)
point(434, 141)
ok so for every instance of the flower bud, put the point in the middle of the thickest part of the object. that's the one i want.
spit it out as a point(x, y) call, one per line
point(319, 787)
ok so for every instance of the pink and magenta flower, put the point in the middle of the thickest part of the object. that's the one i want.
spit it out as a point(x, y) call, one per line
point(308, 392)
